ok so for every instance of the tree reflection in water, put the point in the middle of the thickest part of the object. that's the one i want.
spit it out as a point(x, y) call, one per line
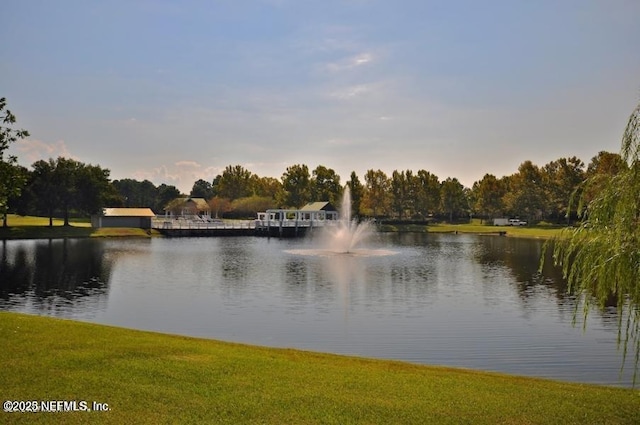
point(45, 275)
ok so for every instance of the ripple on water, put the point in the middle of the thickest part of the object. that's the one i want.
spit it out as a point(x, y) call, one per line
point(352, 253)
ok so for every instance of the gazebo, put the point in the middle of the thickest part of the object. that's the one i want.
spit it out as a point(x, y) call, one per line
point(188, 208)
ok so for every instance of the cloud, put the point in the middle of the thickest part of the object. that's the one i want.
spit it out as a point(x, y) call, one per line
point(349, 63)
point(362, 59)
point(33, 150)
point(188, 164)
point(181, 174)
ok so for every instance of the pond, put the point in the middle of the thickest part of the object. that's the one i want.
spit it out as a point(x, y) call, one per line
point(457, 300)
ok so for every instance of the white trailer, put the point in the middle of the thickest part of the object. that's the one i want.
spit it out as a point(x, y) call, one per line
point(501, 222)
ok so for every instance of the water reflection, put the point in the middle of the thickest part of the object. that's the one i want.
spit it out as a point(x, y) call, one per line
point(235, 260)
point(47, 276)
point(459, 300)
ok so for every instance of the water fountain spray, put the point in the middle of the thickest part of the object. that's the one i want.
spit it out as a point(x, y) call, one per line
point(348, 233)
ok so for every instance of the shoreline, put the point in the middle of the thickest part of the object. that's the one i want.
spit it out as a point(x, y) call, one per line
point(38, 228)
point(71, 232)
point(150, 377)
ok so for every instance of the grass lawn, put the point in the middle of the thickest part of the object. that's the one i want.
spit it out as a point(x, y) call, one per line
point(535, 231)
point(29, 227)
point(154, 378)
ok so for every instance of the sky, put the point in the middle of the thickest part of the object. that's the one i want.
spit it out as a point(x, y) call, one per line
point(174, 91)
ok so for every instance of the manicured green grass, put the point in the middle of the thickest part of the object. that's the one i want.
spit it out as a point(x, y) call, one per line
point(153, 378)
point(544, 232)
point(536, 231)
point(27, 220)
point(29, 227)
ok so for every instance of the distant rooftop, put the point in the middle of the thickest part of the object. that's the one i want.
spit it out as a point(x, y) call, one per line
point(127, 212)
point(200, 203)
point(318, 206)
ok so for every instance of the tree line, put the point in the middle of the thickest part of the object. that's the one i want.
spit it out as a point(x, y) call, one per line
point(533, 193)
point(66, 187)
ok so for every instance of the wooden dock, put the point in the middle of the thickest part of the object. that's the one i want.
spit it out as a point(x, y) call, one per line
point(293, 223)
point(284, 228)
point(182, 227)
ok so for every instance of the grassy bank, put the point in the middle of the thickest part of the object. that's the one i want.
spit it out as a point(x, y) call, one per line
point(535, 231)
point(153, 378)
point(28, 227)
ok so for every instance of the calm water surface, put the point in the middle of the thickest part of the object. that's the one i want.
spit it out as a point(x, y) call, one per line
point(458, 300)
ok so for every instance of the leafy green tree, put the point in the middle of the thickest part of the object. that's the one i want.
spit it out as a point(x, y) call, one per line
point(469, 200)
point(164, 195)
point(11, 178)
point(400, 192)
point(606, 163)
point(8, 134)
point(267, 187)
point(128, 191)
point(411, 196)
point(454, 200)
point(66, 174)
point(202, 189)
point(246, 207)
point(357, 191)
point(19, 202)
point(66, 184)
point(560, 179)
point(12, 181)
point(94, 189)
point(144, 194)
point(600, 257)
point(42, 188)
point(296, 183)
point(376, 199)
point(148, 193)
point(215, 185)
point(136, 194)
point(488, 194)
point(426, 192)
point(525, 194)
point(235, 182)
point(325, 185)
point(602, 167)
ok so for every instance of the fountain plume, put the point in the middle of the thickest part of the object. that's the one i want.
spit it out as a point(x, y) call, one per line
point(344, 237)
point(348, 233)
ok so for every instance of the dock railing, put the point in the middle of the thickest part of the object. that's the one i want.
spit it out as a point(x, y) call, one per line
point(271, 219)
point(181, 223)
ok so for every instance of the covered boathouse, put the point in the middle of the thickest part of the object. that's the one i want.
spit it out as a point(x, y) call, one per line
point(291, 223)
point(123, 217)
point(273, 222)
